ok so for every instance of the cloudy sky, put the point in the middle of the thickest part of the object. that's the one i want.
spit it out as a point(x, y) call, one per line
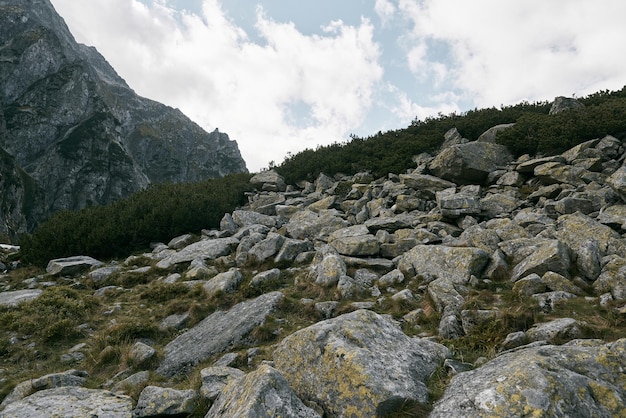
point(280, 76)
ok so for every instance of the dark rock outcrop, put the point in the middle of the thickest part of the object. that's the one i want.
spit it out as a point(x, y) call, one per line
point(80, 134)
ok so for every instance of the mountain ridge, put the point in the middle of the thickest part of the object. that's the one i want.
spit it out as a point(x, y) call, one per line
point(77, 128)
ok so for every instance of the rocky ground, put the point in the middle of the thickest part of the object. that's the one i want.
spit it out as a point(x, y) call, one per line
point(475, 285)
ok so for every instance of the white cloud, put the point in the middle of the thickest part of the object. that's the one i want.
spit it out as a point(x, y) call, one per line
point(504, 52)
point(209, 68)
point(385, 10)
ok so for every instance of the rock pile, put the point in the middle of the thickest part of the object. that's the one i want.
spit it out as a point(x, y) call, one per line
point(550, 229)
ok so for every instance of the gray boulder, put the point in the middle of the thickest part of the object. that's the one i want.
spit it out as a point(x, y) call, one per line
point(156, 401)
point(209, 249)
point(490, 134)
point(327, 267)
point(551, 255)
point(269, 180)
point(215, 378)
point(307, 224)
point(358, 364)
point(249, 217)
point(425, 182)
point(227, 282)
point(69, 401)
point(470, 163)
point(456, 263)
point(216, 333)
point(15, 297)
point(263, 393)
point(563, 104)
point(71, 265)
point(556, 331)
point(267, 248)
point(555, 381)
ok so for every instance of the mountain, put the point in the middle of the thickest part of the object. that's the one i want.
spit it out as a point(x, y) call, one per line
point(77, 133)
point(474, 284)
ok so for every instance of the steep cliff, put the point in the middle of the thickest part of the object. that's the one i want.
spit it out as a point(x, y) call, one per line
point(75, 126)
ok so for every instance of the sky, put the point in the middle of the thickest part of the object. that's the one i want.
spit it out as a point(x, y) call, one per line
point(281, 76)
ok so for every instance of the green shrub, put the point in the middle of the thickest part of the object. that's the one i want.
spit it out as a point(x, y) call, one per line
point(156, 214)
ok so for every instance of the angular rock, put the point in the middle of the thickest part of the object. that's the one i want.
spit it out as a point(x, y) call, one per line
point(71, 265)
point(357, 246)
point(215, 378)
point(263, 393)
point(15, 297)
point(457, 264)
point(529, 285)
point(358, 364)
point(291, 248)
point(551, 173)
point(248, 217)
point(267, 248)
point(554, 381)
point(68, 401)
point(552, 255)
point(269, 180)
point(261, 279)
point(469, 163)
point(204, 250)
point(425, 182)
point(589, 260)
point(141, 353)
point(216, 333)
point(180, 242)
point(556, 331)
point(155, 401)
point(490, 134)
point(574, 230)
point(327, 267)
point(563, 104)
point(310, 225)
point(227, 282)
point(453, 204)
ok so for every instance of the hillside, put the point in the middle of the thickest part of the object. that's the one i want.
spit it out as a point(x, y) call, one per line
point(477, 283)
point(77, 133)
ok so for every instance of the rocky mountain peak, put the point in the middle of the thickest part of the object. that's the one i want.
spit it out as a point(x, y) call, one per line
point(78, 131)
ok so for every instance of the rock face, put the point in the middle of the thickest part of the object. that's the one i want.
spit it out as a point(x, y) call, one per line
point(76, 132)
point(497, 282)
point(68, 401)
point(216, 333)
point(577, 379)
point(358, 364)
point(263, 393)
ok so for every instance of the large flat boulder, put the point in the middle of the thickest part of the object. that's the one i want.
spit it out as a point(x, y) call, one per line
point(359, 364)
point(71, 265)
point(583, 378)
point(215, 333)
point(70, 401)
point(15, 297)
point(209, 249)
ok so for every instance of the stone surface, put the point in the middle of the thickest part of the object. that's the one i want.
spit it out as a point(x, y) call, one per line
point(209, 249)
point(358, 364)
point(68, 401)
point(263, 393)
point(71, 265)
point(215, 378)
point(574, 380)
point(469, 163)
point(215, 334)
point(455, 263)
point(155, 401)
point(15, 297)
point(83, 137)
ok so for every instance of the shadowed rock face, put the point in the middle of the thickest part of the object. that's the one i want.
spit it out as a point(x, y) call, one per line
point(79, 131)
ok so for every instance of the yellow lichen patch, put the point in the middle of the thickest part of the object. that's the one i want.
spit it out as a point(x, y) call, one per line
point(608, 399)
